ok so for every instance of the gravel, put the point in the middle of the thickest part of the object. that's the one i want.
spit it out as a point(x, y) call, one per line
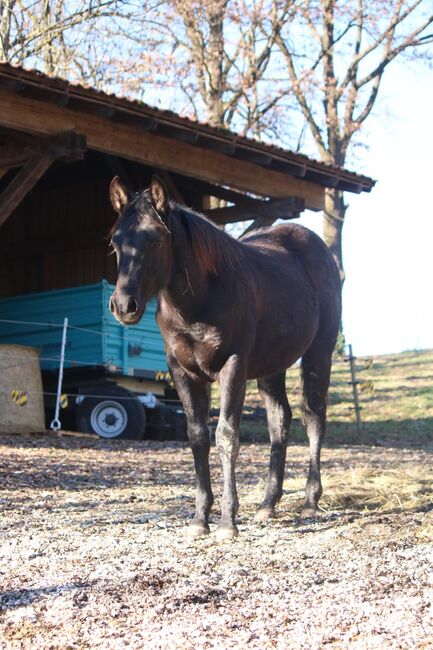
point(93, 554)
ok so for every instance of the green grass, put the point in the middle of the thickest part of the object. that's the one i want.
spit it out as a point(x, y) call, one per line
point(396, 396)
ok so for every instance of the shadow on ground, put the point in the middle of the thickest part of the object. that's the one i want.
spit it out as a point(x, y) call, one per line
point(400, 434)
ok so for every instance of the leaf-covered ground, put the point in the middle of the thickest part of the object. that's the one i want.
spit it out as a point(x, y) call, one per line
point(93, 551)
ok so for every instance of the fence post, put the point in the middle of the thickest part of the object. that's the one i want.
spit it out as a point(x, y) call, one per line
point(354, 383)
point(56, 424)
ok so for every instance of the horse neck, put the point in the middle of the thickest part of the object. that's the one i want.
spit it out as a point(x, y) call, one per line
point(188, 283)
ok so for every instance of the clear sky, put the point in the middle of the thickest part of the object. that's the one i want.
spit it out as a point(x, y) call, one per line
point(388, 234)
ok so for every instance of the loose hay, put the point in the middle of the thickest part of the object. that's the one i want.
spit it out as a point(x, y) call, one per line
point(370, 489)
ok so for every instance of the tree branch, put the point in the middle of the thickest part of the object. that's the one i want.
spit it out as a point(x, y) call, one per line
point(301, 98)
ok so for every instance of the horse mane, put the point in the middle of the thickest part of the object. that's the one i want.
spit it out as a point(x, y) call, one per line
point(214, 250)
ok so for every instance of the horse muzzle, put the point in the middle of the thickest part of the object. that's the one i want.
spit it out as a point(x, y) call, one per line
point(125, 308)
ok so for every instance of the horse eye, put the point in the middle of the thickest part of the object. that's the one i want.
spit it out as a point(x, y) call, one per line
point(157, 244)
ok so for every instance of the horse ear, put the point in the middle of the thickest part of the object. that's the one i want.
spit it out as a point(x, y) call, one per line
point(118, 194)
point(159, 194)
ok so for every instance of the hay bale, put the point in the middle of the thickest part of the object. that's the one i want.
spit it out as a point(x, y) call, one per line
point(20, 371)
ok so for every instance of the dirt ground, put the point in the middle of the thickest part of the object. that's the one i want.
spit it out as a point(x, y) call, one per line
point(93, 552)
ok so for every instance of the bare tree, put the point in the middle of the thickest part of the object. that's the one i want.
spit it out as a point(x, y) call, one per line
point(230, 58)
point(246, 64)
point(209, 59)
point(335, 57)
point(45, 34)
point(243, 64)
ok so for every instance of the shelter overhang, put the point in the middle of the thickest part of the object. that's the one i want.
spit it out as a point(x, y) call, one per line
point(45, 108)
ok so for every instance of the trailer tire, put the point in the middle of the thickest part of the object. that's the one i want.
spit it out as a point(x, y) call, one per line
point(111, 412)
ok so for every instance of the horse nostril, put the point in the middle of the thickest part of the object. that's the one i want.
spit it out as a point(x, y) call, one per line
point(132, 307)
point(111, 305)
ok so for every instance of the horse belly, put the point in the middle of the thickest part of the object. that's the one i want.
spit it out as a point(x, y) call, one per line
point(283, 335)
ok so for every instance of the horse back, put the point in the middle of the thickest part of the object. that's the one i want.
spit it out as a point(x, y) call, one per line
point(303, 248)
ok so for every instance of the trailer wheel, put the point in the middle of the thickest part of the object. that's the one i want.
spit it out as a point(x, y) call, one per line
point(111, 411)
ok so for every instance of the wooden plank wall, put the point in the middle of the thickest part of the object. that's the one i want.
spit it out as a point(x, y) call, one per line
point(56, 239)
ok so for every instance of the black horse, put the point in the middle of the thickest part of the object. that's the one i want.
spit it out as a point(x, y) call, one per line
point(231, 310)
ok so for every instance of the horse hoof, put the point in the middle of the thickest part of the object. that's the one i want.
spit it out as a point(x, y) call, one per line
point(308, 513)
point(223, 533)
point(263, 514)
point(197, 530)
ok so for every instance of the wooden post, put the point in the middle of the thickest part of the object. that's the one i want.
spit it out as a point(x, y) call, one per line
point(23, 182)
point(354, 383)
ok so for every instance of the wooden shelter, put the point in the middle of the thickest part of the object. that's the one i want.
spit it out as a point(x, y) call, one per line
point(60, 144)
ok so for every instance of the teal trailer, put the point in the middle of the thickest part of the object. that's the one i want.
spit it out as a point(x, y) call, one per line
point(115, 375)
point(94, 337)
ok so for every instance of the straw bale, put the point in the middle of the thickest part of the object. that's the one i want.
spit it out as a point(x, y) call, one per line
point(20, 370)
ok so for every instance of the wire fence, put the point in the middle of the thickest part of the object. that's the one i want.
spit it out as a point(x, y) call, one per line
point(348, 362)
point(19, 394)
point(77, 328)
point(349, 374)
point(358, 385)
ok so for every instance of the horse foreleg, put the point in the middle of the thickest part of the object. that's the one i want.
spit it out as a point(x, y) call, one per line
point(195, 399)
point(233, 383)
point(279, 416)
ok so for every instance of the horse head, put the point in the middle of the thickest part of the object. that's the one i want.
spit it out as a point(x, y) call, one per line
point(141, 240)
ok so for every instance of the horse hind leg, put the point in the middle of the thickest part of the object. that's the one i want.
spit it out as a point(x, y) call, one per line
point(316, 370)
point(279, 416)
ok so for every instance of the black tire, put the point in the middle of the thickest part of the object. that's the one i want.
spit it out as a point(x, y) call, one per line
point(111, 412)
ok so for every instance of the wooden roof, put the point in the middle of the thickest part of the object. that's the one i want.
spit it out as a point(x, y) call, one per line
point(46, 107)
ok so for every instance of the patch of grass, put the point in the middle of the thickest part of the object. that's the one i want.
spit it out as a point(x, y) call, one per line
point(396, 397)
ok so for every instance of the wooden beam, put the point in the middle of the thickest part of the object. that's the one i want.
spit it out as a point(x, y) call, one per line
point(21, 184)
point(186, 135)
point(290, 167)
point(208, 189)
point(218, 144)
point(265, 211)
point(261, 222)
point(266, 220)
point(68, 146)
point(347, 186)
point(173, 190)
point(259, 157)
point(14, 156)
point(41, 117)
point(19, 148)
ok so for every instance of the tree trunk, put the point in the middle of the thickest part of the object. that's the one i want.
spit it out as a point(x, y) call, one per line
point(333, 220)
point(6, 16)
point(214, 63)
